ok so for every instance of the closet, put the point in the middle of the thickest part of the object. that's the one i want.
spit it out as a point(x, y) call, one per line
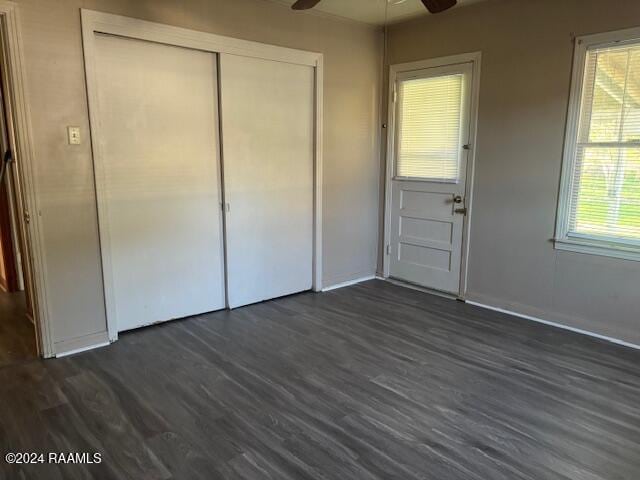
point(267, 124)
point(204, 176)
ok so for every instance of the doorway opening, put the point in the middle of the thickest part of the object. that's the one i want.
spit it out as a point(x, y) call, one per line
point(18, 328)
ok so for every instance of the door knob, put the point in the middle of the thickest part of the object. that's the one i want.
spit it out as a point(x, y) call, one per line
point(457, 199)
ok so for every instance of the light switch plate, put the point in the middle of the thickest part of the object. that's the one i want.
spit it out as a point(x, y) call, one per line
point(74, 135)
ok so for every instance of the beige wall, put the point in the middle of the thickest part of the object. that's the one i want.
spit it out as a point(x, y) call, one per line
point(57, 98)
point(526, 64)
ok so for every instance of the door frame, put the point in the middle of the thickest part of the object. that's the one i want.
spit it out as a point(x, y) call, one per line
point(98, 22)
point(22, 173)
point(394, 70)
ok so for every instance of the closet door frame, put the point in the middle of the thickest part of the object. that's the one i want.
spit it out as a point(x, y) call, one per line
point(103, 23)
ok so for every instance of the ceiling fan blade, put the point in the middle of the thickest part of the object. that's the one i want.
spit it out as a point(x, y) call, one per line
point(305, 4)
point(437, 6)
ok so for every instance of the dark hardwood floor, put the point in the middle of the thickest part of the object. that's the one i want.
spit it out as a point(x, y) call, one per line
point(368, 382)
point(17, 336)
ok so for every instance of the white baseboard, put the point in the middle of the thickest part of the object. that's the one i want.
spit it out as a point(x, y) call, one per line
point(617, 341)
point(81, 344)
point(349, 283)
point(83, 349)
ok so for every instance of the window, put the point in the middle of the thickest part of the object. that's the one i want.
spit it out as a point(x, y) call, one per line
point(599, 208)
point(429, 127)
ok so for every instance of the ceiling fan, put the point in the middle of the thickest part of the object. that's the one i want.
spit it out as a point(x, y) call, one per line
point(434, 6)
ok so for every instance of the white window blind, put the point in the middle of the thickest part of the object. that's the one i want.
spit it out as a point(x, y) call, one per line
point(605, 189)
point(429, 125)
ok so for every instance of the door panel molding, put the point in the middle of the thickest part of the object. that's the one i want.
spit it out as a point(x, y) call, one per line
point(417, 69)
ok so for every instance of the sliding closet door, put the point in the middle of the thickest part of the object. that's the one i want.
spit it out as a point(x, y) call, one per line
point(158, 181)
point(268, 140)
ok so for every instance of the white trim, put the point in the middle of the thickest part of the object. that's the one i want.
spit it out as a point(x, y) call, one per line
point(81, 342)
point(349, 283)
point(97, 22)
point(436, 62)
point(564, 240)
point(554, 324)
point(25, 158)
point(100, 22)
point(603, 249)
point(83, 349)
point(318, 176)
point(475, 58)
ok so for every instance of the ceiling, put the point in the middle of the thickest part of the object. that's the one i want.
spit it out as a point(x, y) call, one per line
point(373, 11)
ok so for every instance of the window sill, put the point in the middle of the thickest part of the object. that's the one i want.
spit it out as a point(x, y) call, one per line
point(598, 247)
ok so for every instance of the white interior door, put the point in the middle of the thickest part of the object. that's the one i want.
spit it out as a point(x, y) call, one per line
point(158, 181)
point(268, 144)
point(432, 127)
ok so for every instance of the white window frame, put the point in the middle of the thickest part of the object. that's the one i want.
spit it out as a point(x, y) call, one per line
point(564, 239)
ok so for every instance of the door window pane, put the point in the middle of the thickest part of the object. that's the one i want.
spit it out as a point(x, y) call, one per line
point(429, 127)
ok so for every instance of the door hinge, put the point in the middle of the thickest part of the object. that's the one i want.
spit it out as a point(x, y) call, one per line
point(395, 94)
point(388, 249)
point(27, 216)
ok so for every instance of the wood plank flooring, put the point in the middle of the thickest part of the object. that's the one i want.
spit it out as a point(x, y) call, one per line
point(17, 336)
point(373, 381)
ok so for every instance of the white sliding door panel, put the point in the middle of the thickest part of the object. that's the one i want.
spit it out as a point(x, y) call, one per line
point(268, 148)
point(158, 181)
